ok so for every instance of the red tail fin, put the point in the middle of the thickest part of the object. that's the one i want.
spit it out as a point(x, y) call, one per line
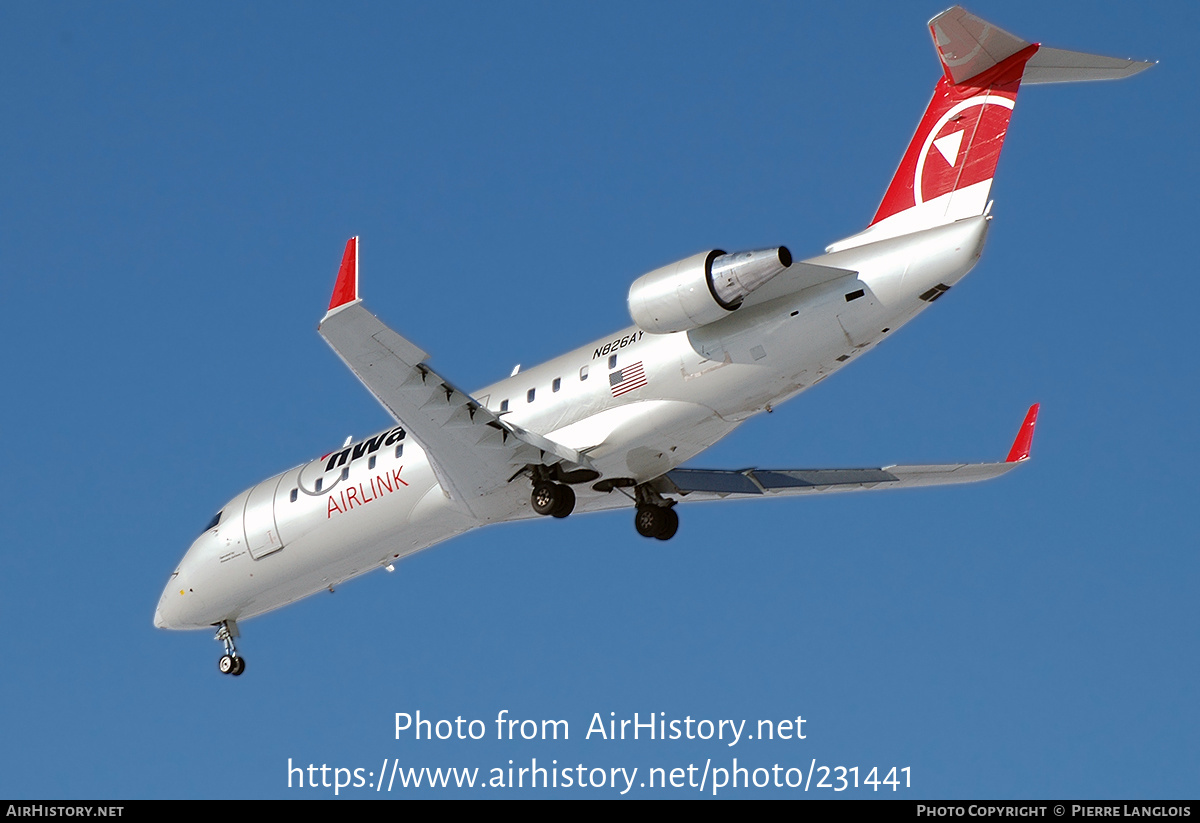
point(952, 158)
point(947, 171)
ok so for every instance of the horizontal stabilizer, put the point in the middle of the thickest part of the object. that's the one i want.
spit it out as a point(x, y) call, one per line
point(968, 45)
point(1062, 66)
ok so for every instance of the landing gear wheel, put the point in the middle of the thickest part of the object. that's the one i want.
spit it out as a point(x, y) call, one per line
point(546, 497)
point(566, 503)
point(670, 524)
point(231, 662)
point(649, 520)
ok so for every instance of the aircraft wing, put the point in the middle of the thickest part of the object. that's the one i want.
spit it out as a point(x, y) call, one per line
point(715, 484)
point(472, 450)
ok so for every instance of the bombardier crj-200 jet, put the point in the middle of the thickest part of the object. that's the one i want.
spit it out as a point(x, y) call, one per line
point(717, 338)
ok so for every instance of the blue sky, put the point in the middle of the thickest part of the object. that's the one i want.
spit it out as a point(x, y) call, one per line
point(178, 184)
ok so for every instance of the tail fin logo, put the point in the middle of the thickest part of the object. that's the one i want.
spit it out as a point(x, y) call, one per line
point(948, 146)
point(963, 146)
point(947, 170)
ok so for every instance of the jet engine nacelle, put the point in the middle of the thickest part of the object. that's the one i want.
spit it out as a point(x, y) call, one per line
point(702, 288)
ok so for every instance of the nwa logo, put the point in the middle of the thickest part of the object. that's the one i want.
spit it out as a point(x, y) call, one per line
point(357, 450)
point(962, 147)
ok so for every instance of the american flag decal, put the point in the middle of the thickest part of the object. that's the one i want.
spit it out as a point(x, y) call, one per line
point(627, 379)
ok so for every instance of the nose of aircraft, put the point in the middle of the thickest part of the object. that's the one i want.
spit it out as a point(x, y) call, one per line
point(184, 602)
point(166, 612)
point(179, 606)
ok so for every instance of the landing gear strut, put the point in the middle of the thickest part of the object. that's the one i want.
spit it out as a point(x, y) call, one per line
point(231, 662)
point(554, 499)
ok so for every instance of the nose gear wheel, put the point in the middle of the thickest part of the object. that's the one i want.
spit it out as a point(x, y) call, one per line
point(231, 662)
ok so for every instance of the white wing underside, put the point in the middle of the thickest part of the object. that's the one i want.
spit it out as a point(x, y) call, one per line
point(710, 484)
point(472, 451)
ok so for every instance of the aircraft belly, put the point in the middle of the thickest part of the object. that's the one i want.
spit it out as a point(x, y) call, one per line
point(644, 439)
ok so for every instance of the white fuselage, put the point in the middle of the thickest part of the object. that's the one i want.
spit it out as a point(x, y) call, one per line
point(321, 523)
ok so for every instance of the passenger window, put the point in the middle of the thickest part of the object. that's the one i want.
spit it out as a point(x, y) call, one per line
point(612, 361)
point(557, 384)
point(529, 395)
point(400, 450)
point(371, 462)
point(583, 374)
point(346, 473)
point(294, 492)
point(320, 482)
point(503, 405)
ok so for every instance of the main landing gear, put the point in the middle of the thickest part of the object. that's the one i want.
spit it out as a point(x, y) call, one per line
point(552, 493)
point(652, 520)
point(231, 662)
point(554, 499)
point(655, 515)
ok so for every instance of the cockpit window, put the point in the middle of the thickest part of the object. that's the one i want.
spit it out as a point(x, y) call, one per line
point(212, 524)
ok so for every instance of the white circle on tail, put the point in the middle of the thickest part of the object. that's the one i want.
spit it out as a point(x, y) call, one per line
point(956, 109)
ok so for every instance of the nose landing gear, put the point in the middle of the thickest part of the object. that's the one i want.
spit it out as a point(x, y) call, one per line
point(231, 662)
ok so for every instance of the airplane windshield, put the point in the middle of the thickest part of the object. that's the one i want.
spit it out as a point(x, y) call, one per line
point(212, 524)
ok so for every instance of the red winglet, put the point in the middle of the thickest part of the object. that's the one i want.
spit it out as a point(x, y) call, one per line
point(346, 289)
point(1020, 446)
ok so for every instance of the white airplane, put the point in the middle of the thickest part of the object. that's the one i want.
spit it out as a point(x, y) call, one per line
point(717, 338)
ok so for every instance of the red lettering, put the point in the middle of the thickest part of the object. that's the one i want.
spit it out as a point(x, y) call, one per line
point(397, 478)
point(333, 507)
point(384, 483)
point(363, 494)
point(350, 496)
